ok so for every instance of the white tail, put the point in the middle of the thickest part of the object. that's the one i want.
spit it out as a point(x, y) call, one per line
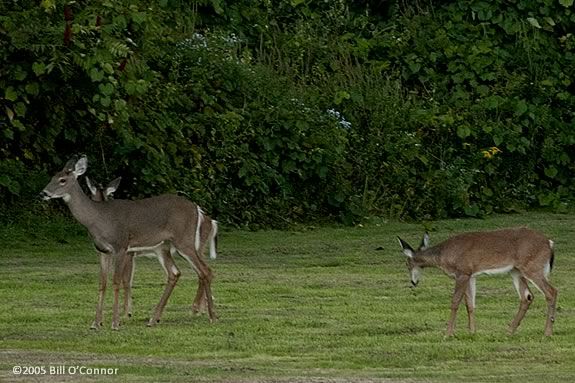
point(120, 227)
point(525, 253)
point(213, 239)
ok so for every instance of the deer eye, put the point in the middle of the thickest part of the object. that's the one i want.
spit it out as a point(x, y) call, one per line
point(62, 181)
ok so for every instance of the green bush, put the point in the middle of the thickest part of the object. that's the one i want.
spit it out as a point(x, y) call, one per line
point(268, 113)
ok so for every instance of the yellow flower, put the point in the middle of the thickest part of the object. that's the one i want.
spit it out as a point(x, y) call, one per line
point(491, 152)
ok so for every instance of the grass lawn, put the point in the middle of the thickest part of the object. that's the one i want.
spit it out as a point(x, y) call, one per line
point(320, 305)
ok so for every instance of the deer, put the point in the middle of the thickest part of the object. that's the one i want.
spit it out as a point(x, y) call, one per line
point(164, 252)
point(120, 227)
point(524, 253)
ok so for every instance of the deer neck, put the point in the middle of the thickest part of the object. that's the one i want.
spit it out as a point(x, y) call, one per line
point(428, 258)
point(82, 208)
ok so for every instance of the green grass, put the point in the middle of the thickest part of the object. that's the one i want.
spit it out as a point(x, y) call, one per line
point(320, 304)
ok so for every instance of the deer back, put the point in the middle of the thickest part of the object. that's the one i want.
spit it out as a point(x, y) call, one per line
point(147, 222)
point(497, 251)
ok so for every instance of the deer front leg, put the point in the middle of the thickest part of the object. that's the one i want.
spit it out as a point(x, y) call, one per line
point(122, 262)
point(461, 284)
point(104, 269)
point(127, 281)
point(470, 304)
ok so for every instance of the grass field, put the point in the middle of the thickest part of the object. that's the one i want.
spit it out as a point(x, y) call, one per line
point(318, 304)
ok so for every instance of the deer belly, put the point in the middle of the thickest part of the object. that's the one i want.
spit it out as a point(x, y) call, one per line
point(498, 270)
point(147, 251)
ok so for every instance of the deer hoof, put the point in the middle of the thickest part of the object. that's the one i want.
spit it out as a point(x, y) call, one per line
point(152, 322)
point(95, 325)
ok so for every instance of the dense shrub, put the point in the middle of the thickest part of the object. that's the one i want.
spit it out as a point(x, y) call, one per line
point(273, 112)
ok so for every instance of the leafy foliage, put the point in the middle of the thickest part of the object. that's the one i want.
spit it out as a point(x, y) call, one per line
point(272, 112)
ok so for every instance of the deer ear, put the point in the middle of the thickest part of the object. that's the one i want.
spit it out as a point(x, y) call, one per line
point(93, 190)
point(407, 250)
point(69, 167)
point(113, 186)
point(81, 166)
point(424, 242)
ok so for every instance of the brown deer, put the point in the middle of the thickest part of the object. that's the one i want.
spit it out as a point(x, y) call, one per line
point(165, 252)
point(525, 253)
point(119, 227)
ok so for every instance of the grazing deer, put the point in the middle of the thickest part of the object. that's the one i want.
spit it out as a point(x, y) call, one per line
point(525, 253)
point(119, 227)
point(163, 252)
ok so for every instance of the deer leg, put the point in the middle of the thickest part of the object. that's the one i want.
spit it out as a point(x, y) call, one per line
point(104, 269)
point(207, 231)
point(173, 274)
point(200, 299)
point(127, 281)
point(205, 277)
point(525, 296)
point(550, 293)
point(470, 304)
point(461, 284)
point(122, 262)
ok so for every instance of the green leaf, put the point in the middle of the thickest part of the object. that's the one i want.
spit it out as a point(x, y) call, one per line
point(12, 185)
point(19, 125)
point(472, 210)
point(8, 133)
point(10, 94)
point(106, 89)
point(340, 96)
point(463, 131)
point(19, 73)
point(96, 75)
point(566, 3)
point(108, 68)
point(39, 68)
point(9, 113)
point(32, 88)
point(533, 21)
point(414, 67)
point(487, 191)
point(551, 171)
point(521, 107)
point(20, 109)
point(105, 101)
point(139, 17)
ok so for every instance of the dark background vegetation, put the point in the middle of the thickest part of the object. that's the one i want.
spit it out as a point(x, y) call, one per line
point(273, 112)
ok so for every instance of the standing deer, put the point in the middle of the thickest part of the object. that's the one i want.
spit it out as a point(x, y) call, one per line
point(119, 227)
point(163, 252)
point(525, 253)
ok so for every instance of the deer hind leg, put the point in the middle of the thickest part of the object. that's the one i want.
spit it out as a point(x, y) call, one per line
point(205, 277)
point(173, 274)
point(470, 304)
point(526, 297)
point(208, 230)
point(550, 292)
point(461, 285)
point(105, 262)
